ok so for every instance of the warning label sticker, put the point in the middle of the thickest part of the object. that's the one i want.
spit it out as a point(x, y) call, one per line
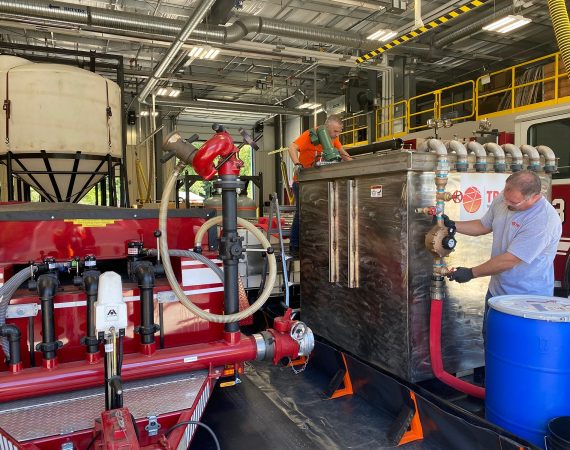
point(91, 223)
point(376, 191)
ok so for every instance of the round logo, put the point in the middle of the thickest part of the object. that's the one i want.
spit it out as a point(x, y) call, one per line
point(472, 199)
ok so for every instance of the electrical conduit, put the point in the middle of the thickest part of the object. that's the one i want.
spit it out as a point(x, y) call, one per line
point(436, 291)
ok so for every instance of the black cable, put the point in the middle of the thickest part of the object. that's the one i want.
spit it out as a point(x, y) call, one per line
point(93, 440)
point(194, 422)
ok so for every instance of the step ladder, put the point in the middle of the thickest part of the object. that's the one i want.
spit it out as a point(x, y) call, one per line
point(283, 258)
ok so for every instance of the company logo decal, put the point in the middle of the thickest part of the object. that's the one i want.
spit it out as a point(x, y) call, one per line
point(472, 199)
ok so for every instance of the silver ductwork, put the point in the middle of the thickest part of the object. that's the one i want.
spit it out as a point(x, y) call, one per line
point(121, 21)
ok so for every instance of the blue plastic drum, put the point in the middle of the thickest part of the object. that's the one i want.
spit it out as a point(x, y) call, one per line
point(527, 361)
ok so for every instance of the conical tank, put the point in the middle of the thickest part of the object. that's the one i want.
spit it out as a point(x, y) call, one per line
point(61, 126)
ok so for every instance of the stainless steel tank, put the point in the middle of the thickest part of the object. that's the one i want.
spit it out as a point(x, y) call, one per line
point(365, 271)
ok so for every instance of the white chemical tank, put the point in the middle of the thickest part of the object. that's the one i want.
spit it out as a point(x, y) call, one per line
point(61, 125)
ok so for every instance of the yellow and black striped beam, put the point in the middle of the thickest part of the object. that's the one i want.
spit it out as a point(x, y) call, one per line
point(421, 30)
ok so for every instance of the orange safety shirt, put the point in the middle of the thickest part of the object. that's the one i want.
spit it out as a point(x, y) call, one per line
point(308, 152)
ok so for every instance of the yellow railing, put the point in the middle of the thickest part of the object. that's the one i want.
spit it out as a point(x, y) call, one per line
point(529, 85)
point(392, 120)
point(355, 131)
point(457, 102)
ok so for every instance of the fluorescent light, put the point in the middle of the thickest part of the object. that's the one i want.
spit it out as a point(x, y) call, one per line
point(309, 106)
point(196, 51)
point(162, 91)
point(203, 53)
point(174, 92)
point(382, 35)
point(146, 114)
point(506, 24)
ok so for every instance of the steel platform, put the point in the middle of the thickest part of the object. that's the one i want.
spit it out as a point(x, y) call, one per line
point(75, 411)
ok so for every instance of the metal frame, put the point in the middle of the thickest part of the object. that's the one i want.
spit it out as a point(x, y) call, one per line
point(10, 158)
point(21, 50)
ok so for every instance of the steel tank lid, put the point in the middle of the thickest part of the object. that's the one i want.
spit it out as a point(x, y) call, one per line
point(538, 307)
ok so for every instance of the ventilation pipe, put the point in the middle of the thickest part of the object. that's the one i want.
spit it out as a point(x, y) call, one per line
point(120, 22)
point(499, 155)
point(455, 146)
point(516, 156)
point(196, 17)
point(549, 158)
point(533, 157)
point(480, 154)
point(561, 25)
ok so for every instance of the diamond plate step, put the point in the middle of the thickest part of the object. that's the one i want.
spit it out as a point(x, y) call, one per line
point(74, 411)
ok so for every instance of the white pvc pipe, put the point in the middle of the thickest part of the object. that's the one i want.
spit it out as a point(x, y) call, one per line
point(461, 152)
point(549, 158)
point(533, 156)
point(516, 156)
point(498, 153)
point(480, 154)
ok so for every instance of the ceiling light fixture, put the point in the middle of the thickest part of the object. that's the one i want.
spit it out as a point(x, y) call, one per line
point(506, 24)
point(309, 106)
point(168, 92)
point(382, 35)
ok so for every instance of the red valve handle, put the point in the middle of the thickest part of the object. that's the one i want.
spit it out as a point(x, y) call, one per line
point(457, 197)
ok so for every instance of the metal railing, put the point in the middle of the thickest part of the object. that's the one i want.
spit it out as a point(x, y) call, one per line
point(523, 87)
point(355, 131)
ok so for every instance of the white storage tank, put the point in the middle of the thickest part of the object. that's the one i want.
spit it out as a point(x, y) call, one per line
point(61, 126)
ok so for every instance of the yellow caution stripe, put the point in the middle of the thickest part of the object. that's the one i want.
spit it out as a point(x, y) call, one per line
point(429, 26)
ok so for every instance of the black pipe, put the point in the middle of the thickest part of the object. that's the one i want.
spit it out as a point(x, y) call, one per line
point(230, 246)
point(12, 333)
point(91, 286)
point(47, 287)
point(144, 274)
point(393, 144)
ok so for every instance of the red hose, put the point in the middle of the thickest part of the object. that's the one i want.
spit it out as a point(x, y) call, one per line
point(435, 355)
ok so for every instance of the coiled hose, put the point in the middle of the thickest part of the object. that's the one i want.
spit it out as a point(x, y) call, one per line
point(6, 293)
point(164, 252)
point(561, 25)
point(196, 256)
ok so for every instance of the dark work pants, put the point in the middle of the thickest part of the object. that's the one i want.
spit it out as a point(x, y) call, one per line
point(294, 236)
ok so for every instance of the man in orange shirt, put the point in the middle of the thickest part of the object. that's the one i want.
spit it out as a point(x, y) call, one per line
point(304, 153)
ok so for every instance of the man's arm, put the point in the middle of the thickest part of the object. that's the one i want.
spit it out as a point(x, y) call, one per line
point(472, 228)
point(344, 154)
point(495, 265)
point(294, 153)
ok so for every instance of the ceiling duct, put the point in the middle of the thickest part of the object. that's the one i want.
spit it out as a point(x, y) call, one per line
point(121, 21)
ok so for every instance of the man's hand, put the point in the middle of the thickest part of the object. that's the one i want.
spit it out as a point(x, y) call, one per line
point(461, 275)
point(297, 169)
point(447, 222)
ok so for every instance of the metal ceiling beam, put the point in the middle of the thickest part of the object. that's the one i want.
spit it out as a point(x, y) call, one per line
point(233, 106)
point(196, 17)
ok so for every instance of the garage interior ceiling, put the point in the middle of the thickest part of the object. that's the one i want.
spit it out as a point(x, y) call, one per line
point(271, 52)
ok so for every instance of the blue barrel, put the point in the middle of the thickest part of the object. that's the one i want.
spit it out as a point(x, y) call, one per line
point(527, 360)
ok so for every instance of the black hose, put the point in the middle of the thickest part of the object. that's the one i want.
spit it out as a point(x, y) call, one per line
point(47, 287)
point(13, 334)
point(194, 422)
point(91, 286)
point(144, 273)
